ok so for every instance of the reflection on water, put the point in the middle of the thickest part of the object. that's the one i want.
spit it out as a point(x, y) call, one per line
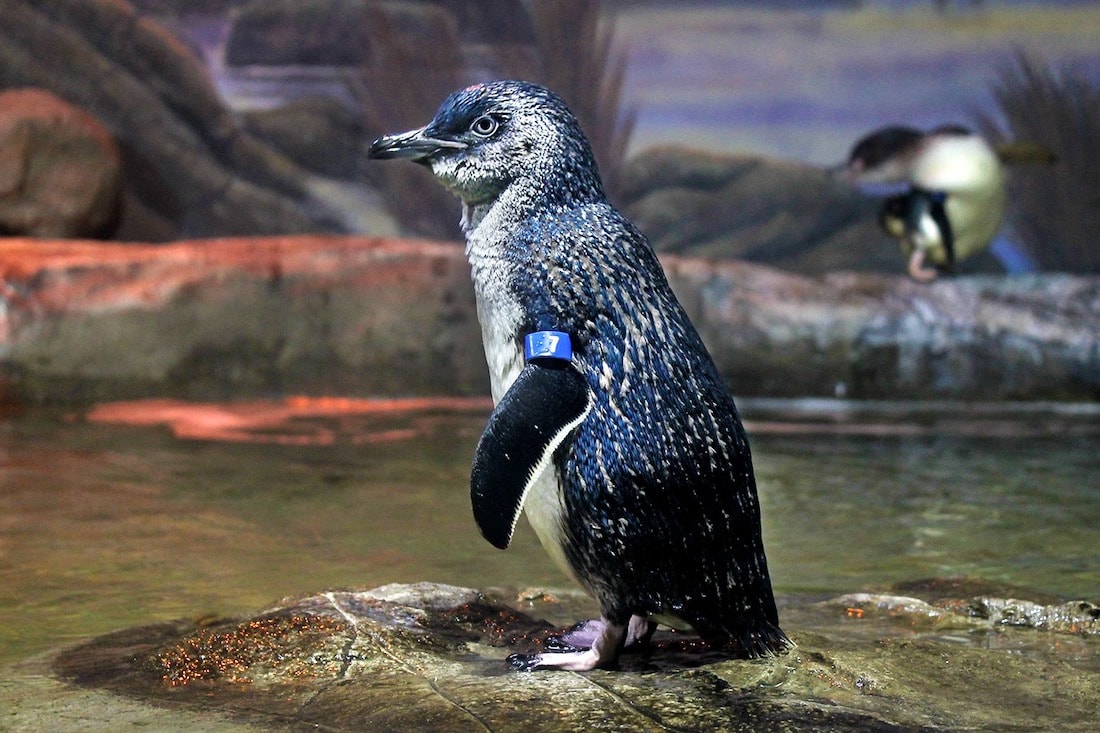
point(105, 525)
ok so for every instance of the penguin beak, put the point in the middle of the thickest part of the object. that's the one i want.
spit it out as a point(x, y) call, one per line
point(413, 145)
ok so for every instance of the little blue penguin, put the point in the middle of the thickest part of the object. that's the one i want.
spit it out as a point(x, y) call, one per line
point(612, 429)
point(953, 198)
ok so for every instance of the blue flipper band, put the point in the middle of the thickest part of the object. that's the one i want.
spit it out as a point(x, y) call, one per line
point(547, 345)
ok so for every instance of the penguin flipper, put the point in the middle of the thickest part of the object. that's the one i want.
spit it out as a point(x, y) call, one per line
point(931, 204)
point(539, 411)
point(939, 215)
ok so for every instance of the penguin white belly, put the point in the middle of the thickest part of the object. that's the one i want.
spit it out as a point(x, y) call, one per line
point(955, 164)
point(927, 236)
point(976, 217)
point(543, 505)
point(503, 354)
point(544, 513)
point(498, 311)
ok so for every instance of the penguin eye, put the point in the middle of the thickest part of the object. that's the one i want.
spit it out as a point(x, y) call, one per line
point(484, 126)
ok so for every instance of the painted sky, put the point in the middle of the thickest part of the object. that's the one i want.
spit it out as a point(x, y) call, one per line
point(804, 85)
point(799, 84)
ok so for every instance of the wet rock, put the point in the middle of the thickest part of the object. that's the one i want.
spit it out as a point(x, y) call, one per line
point(358, 316)
point(793, 216)
point(59, 168)
point(431, 658)
point(188, 166)
point(1074, 617)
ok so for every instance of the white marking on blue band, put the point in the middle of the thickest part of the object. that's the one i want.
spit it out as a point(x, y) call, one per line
point(547, 345)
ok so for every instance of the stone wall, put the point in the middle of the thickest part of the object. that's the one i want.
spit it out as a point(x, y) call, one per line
point(83, 321)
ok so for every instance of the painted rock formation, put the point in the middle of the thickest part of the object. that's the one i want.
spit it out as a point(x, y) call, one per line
point(59, 168)
point(189, 168)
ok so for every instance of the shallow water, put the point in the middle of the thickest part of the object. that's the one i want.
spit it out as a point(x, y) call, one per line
point(104, 526)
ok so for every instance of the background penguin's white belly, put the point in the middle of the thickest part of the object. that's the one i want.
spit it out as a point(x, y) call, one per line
point(976, 217)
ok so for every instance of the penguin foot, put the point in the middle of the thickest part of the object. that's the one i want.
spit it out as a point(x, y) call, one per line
point(579, 661)
point(558, 644)
point(579, 636)
point(918, 271)
point(584, 634)
point(603, 639)
point(639, 630)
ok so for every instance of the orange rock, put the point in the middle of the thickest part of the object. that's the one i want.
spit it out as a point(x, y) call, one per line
point(59, 168)
point(354, 317)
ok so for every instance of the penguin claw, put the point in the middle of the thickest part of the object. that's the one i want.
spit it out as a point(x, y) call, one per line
point(524, 662)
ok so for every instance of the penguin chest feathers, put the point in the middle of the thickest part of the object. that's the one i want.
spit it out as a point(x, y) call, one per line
point(499, 309)
point(502, 313)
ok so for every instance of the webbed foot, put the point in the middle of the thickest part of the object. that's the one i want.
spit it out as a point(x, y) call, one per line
point(918, 271)
point(588, 645)
point(584, 634)
point(578, 637)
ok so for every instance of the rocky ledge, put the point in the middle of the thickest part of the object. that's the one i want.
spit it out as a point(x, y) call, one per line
point(428, 657)
point(83, 321)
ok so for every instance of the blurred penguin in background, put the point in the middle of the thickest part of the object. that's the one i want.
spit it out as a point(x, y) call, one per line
point(944, 193)
point(949, 192)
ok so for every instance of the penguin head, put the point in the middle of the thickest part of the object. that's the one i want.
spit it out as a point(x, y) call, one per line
point(486, 137)
point(883, 156)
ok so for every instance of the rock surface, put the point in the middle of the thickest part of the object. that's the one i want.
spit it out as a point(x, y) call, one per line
point(59, 168)
point(82, 321)
point(320, 134)
point(431, 658)
point(176, 7)
point(877, 336)
point(236, 317)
